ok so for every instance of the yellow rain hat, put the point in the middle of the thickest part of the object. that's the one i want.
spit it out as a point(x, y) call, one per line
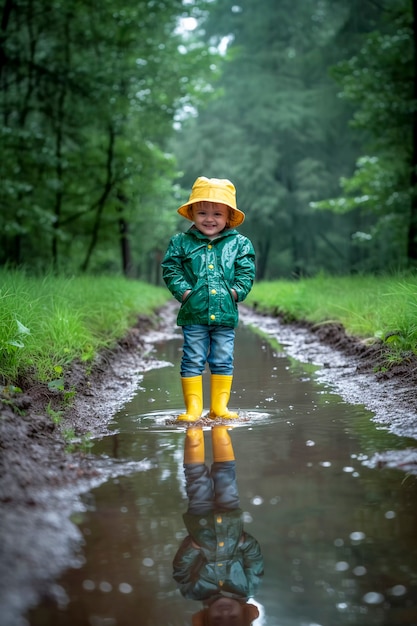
point(214, 190)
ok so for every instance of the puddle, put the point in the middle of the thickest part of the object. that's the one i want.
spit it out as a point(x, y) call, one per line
point(337, 534)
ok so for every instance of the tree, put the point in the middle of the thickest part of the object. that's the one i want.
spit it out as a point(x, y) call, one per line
point(278, 130)
point(89, 93)
point(380, 79)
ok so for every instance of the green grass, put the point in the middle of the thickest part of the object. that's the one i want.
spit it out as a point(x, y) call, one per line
point(370, 307)
point(47, 323)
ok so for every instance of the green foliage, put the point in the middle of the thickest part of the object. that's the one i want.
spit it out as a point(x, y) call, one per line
point(379, 80)
point(90, 95)
point(13, 335)
point(81, 444)
point(89, 92)
point(56, 416)
point(374, 190)
point(281, 134)
point(372, 187)
point(69, 319)
point(8, 396)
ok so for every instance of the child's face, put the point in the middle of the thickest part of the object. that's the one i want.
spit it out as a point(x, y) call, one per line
point(210, 217)
point(225, 612)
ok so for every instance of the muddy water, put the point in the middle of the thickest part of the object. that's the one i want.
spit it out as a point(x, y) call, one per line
point(339, 539)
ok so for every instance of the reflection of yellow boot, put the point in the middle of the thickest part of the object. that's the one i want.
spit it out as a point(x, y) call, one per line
point(222, 444)
point(194, 446)
point(220, 394)
point(192, 389)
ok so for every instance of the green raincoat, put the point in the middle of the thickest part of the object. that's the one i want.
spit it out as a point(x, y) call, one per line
point(210, 268)
point(229, 561)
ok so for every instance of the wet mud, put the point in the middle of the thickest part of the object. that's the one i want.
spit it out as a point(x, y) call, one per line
point(41, 482)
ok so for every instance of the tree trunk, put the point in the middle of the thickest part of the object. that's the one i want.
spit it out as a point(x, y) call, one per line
point(125, 248)
point(59, 133)
point(262, 258)
point(59, 175)
point(412, 231)
point(108, 186)
point(7, 9)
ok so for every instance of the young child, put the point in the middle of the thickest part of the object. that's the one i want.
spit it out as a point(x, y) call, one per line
point(209, 269)
point(218, 563)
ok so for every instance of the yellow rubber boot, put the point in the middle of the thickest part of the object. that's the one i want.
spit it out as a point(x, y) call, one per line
point(194, 446)
point(222, 444)
point(220, 394)
point(192, 389)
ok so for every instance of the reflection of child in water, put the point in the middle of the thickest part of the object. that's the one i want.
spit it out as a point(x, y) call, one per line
point(218, 562)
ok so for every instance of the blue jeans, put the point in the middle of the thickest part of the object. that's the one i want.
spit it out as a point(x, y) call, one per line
point(211, 344)
point(214, 490)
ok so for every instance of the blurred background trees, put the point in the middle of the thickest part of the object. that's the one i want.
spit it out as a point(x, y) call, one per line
point(88, 94)
point(110, 110)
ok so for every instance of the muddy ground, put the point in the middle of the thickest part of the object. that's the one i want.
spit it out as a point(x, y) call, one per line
point(41, 483)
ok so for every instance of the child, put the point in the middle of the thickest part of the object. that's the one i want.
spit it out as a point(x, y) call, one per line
point(209, 269)
point(218, 562)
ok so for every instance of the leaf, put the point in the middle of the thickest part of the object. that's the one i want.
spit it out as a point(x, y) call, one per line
point(16, 343)
point(56, 385)
point(22, 330)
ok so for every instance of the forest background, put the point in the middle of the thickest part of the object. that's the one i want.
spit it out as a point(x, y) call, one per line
point(110, 110)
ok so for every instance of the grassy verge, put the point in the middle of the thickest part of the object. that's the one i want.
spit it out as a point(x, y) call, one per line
point(47, 323)
point(370, 307)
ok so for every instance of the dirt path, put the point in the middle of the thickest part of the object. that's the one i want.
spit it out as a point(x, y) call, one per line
point(41, 483)
point(353, 367)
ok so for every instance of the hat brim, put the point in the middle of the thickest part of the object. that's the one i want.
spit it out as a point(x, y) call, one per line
point(235, 220)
